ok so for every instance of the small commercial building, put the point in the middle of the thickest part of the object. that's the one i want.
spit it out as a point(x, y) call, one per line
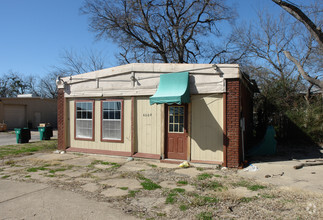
point(195, 112)
point(27, 111)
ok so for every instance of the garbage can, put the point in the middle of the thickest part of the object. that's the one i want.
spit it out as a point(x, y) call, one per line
point(22, 135)
point(45, 133)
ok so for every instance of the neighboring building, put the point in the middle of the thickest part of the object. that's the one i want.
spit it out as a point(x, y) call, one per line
point(27, 111)
point(200, 112)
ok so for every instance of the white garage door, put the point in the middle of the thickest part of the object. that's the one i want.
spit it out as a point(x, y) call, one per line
point(15, 116)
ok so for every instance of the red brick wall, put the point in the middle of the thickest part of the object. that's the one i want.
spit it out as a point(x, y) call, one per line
point(233, 149)
point(61, 120)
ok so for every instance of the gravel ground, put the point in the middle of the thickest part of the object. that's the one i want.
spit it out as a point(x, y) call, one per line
point(149, 189)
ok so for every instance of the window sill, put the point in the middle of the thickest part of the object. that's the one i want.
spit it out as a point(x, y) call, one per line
point(83, 139)
point(111, 140)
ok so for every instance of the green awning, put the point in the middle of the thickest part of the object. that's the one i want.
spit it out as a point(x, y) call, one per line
point(173, 88)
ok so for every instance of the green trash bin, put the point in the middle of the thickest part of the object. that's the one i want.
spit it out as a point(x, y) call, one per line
point(22, 135)
point(41, 132)
point(18, 132)
point(45, 133)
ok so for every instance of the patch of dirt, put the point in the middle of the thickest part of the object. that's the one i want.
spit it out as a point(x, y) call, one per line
point(147, 190)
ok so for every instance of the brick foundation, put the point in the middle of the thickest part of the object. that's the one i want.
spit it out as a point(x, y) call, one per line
point(232, 122)
point(61, 120)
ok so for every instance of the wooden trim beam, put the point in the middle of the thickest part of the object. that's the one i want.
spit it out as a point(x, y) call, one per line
point(225, 144)
point(207, 162)
point(97, 151)
point(145, 155)
point(133, 141)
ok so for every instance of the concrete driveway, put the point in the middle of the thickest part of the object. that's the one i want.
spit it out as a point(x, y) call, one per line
point(283, 174)
point(20, 200)
point(85, 186)
point(9, 138)
point(279, 169)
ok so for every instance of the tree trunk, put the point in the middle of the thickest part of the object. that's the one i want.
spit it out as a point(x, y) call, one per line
point(300, 16)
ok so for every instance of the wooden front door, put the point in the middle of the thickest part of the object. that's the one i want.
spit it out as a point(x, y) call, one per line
point(176, 132)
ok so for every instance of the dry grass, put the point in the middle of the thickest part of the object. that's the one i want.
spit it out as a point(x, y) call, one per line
point(213, 195)
point(27, 149)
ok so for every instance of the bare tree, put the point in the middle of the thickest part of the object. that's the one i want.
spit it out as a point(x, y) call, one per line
point(315, 31)
point(13, 84)
point(47, 85)
point(71, 63)
point(169, 31)
point(264, 43)
point(226, 51)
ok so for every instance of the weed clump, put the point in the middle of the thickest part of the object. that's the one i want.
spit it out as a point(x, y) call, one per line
point(112, 164)
point(132, 193)
point(183, 207)
point(35, 169)
point(204, 200)
point(248, 185)
point(148, 184)
point(204, 216)
point(204, 176)
point(171, 198)
point(182, 182)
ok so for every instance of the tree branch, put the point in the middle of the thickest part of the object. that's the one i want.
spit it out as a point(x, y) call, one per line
point(300, 69)
point(299, 15)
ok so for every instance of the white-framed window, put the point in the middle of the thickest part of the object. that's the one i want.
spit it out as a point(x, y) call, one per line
point(84, 115)
point(112, 120)
point(176, 119)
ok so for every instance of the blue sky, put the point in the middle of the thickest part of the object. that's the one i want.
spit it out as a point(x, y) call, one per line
point(35, 32)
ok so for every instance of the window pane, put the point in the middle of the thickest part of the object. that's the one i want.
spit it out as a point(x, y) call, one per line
point(118, 105)
point(89, 106)
point(175, 127)
point(87, 132)
point(115, 106)
point(83, 106)
point(111, 115)
point(171, 128)
point(181, 110)
point(83, 115)
point(171, 110)
point(114, 134)
point(115, 125)
point(112, 125)
point(105, 106)
point(171, 119)
point(78, 114)
point(105, 115)
point(78, 106)
point(84, 128)
point(176, 119)
point(110, 105)
point(111, 130)
point(118, 136)
point(181, 119)
point(117, 115)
